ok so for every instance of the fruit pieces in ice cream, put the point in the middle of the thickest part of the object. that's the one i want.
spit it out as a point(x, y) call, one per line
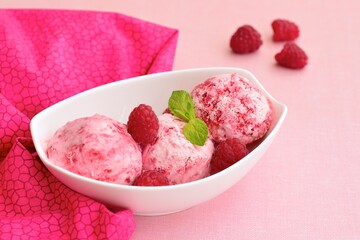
point(232, 107)
point(173, 154)
point(97, 147)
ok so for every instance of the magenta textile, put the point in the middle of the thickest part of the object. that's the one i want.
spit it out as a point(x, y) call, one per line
point(47, 56)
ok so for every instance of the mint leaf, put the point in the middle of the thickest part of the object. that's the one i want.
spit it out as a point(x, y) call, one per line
point(181, 105)
point(196, 131)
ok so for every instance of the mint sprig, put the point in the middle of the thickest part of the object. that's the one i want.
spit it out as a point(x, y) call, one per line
point(181, 105)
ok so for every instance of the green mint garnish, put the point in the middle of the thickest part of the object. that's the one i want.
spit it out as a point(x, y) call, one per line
point(181, 105)
point(196, 131)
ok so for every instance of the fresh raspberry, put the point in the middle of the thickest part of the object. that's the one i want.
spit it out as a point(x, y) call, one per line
point(143, 124)
point(151, 178)
point(292, 56)
point(167, 110)
point(227, 153)
point(284, 30)
point(245, 40)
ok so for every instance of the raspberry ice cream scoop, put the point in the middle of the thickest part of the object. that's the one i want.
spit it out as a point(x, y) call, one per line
point(180, 160)
point(97, 147)
point(232, 107)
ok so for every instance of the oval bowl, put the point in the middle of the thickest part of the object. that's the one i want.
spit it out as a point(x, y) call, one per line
point(116, 100)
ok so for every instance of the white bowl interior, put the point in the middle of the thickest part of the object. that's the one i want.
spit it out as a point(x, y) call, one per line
point(116, 100)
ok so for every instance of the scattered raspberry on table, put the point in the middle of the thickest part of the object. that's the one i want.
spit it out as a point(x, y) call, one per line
point(292, 56)
point(246, 39)
point(284, 30)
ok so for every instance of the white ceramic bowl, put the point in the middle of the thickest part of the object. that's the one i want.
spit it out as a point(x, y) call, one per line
point(117, 100)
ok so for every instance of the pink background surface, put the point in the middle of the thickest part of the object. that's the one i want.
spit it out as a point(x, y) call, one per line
point(307, 186)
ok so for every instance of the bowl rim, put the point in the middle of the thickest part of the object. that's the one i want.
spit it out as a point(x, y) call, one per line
point(43, 157)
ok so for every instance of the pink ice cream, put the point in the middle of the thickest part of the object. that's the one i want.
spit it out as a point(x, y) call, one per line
point(97, 147)
point(172, 153)
point(232, 107)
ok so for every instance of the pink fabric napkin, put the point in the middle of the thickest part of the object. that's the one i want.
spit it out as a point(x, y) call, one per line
point(47, 56)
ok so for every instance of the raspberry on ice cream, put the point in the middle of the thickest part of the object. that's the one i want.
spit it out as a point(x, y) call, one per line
point(227, 153)
point(151, 178)
point(143, 124)
point(97, 147)
point(174, 155)
point(232, 107)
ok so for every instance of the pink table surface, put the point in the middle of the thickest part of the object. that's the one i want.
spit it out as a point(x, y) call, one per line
point(307, 186)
